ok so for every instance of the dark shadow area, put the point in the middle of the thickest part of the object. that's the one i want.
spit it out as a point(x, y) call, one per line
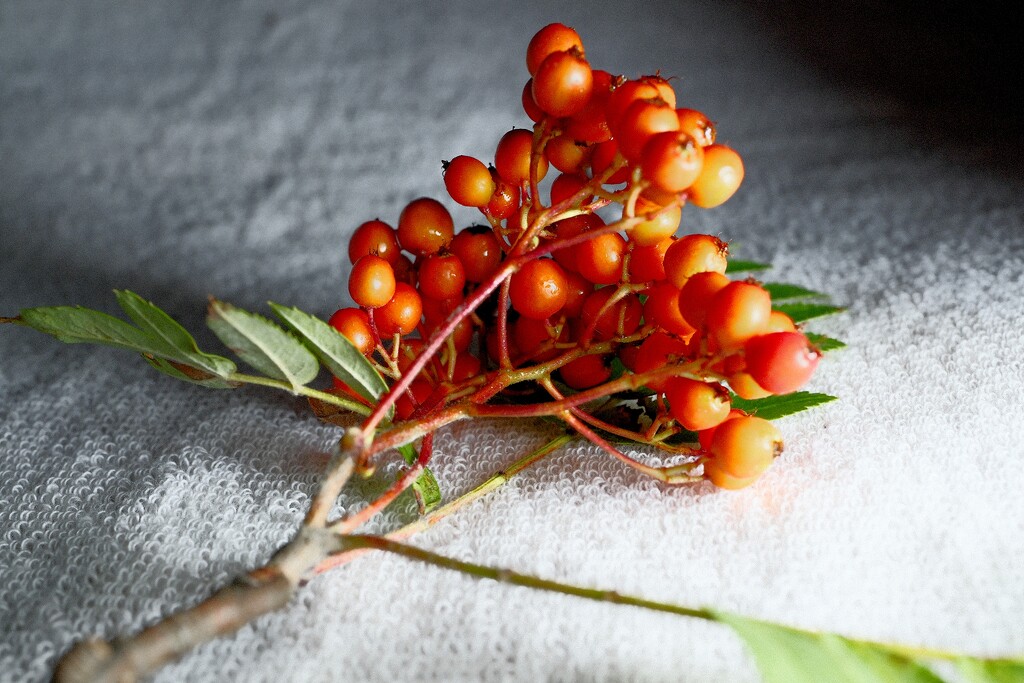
point(954, 67)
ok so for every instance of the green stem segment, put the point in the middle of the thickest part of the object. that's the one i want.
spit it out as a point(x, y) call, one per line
point(506, 576)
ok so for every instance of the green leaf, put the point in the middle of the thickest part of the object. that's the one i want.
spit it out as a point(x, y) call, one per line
point(800, 312)
point(426, 488)
point(262, 344)
point(736, 266)
point(780, 291)
point(824, 343)
point(992, 670)
point(179, 344)
point(77, 325)
point(337, 353)
point(786, 655)
point(191, 374)
point(774, 407)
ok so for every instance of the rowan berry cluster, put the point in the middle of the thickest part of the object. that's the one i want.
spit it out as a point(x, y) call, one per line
point(587, 289)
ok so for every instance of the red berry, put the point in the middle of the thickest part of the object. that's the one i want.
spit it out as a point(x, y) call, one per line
point(468, 181)
point(662, 309)
point(538, 289)
point(719, 178)
point(441, 276)
point(737, 313)
point(696, 294)
point(642, 121)
point(372, 281)
point(697, 126)
point(374, 237)
point(551, 38)
point(401, 314)
point(672, 160)
point(425, 226)
point(600, 259)
point(563, 83)
point(745, 446)
point(692, 254)
point(512, 157)
point(479, 251)
point(781, 362)
point(697, 405)
point(354, 325)
point(585, 372)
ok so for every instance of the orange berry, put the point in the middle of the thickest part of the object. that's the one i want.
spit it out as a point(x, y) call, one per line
point(672, 161)
point(745, 447)
point(401, 314)
point(551, 38)
point(512, 157)
point(479, 252)
point(563, 83)
point(372, 281)
point(661, 223)
point(647, 264)
point(566, 154)
point(621, 319)
point(374, 237)
point(662, 309)
point(697, 126)
point(585, 372)
point(468, 181)
point(737, 313)
point(692, 254)
point(719, 178)
point(642, 121)
point(695, 296)
point(425, 226)
point(354, 325)
point(538, 289)
point(697, 405)
point(600, 259)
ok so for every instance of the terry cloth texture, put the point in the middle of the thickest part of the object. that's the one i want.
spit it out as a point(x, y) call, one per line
point(180, 149)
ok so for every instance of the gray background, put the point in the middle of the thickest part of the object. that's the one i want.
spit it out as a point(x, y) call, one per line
point(186, 149)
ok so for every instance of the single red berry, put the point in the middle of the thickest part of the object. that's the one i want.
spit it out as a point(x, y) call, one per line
point(563, 83)
point(664, 88)
point(354, 325)
point(737, 313)
point(505, 200)
point(662, 309)
point(441, 276)
point(641, 121)
point(672, 160)
point(401, 314)
point(781, 362)
point(512, 157)
point(479, 251)
point(372, 281)
point(692, 254)
point(538, 289)
point(374, 237)
point(425, 226)
point(647, 263)
point(567, 155)
point(468, 181)
point(697, 405)
point(745, 446)
point(566, 185)
point(696, 294)
point(719, 178)
point(600, 259)
point(586, 372)
point(697, 126)
point(419, 392)
point(662, 222)
point(551, 38)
